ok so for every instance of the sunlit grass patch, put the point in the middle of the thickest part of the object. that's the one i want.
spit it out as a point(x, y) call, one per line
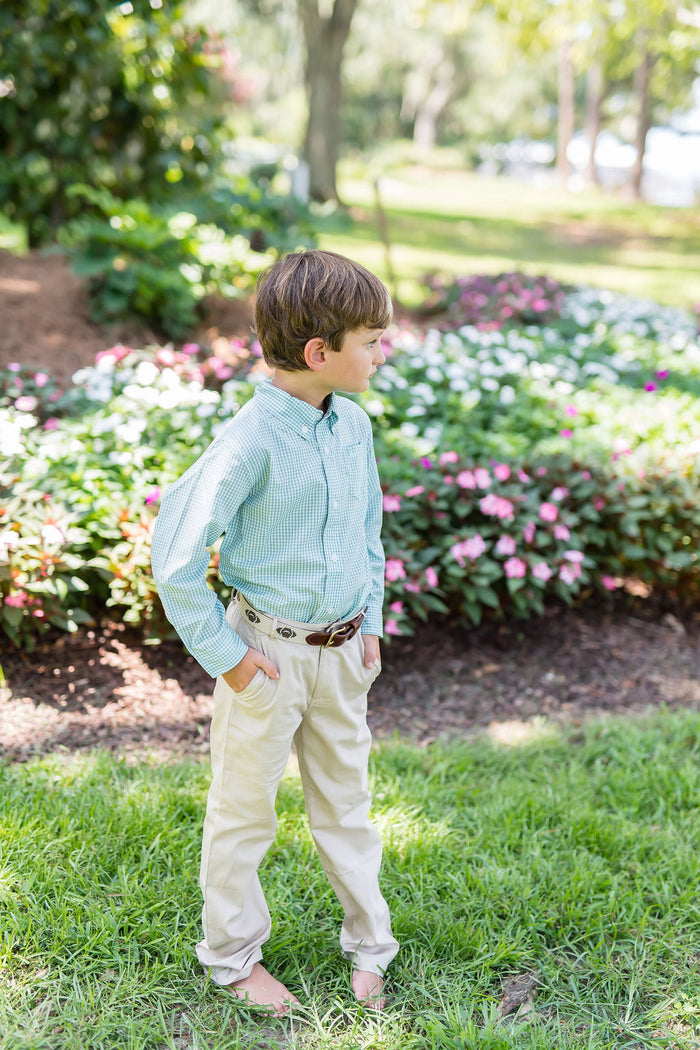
point(461, 223)
point(570, 855)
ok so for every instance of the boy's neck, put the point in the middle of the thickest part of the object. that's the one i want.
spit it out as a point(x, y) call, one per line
point(304, 386)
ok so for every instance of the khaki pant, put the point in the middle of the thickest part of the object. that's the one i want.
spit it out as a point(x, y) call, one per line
point(318, 704)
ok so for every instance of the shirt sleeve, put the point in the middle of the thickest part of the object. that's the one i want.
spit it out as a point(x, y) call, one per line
point(373, 622)
point(195, 512)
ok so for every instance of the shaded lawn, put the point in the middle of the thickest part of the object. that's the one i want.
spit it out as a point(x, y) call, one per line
point(463, 223)
point(570, 855)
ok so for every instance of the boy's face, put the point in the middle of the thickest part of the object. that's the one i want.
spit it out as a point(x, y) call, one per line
point(351, 368)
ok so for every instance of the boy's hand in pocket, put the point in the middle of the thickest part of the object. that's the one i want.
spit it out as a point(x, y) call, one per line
point(240, 676)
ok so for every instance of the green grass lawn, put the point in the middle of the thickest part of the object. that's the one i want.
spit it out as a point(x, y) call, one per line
point(570, 855)
point(459, 222)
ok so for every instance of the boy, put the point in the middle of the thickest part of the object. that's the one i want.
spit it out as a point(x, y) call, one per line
point(291, 484)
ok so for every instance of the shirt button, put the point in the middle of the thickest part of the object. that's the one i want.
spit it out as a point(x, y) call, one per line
point(335, 503)
point(334, 557)
point(304, 430)
point(326, 450)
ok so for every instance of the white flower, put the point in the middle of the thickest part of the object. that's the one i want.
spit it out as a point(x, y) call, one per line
point(52, 536)
point(11, 443)
point(146, 373)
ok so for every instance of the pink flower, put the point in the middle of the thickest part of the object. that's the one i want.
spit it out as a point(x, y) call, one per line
point(599, 503)
point(569, 573)
point(501, 471)
point(609, 583)
point(391, 627)
point(559, 493)
point(571, 410)
point(662, 373)
point(541, 471)
point(426, 463)
point(412, 587)
point(515, 568)
point(482, 478)
point(26, 403)
point(522, 476)
point(416, 490)
point(394, 570)
point(51, 423)
point(14, 366)
point(396, 607)
point(529, 532)
point(466, 480)
point(18, 600)
point(541, 571)
point(431, 576)
point(190, 349)
point(391, 503)
point(496, 506)
point(573, 556)
point(566, 433)
point(471, 548)
point(152, 496)
point(41, 379)
point(650, 387)
point(548, 512)
point(561, 532)
point(116, 353)
point(540, 305)
point(586, 475)
point(166, 356)
point(505, 545)
point(447, 479)
point(448, 457)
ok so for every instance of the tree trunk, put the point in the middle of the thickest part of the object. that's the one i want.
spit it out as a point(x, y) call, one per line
point(325, 38)
point(565, 120)
point(594, 102)
point(641, 90)
point(431, 106)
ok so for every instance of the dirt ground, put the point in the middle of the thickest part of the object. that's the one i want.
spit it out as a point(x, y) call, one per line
point(104, 688)
point(45, 321)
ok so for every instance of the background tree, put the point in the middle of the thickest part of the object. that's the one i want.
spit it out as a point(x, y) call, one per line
point(658, 44)
point(325, 36)
point(119, 96)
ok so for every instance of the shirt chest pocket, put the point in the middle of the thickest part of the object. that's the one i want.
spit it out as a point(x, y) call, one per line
point(353, 467)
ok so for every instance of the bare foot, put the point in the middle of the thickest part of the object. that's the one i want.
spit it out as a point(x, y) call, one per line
point(368, 988)
point(260, 988)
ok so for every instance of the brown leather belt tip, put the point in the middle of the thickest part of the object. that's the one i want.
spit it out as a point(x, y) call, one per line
point(337, 636)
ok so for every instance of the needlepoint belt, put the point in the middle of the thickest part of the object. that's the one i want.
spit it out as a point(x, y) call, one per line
point(329, 637)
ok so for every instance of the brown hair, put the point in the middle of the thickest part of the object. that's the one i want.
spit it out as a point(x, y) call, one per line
point(311, 294)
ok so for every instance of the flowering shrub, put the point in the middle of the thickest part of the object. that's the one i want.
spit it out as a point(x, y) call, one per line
point(498, 539)
point(518, 466)
point(493, 302)
point(42, 564)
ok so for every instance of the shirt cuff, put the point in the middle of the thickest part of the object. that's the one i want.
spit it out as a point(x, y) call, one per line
point(373, 623)
point(223, 657)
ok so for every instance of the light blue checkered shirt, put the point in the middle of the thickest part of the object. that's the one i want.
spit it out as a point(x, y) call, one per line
point(295, 494)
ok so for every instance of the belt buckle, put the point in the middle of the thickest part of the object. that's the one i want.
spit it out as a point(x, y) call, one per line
point(338, 630)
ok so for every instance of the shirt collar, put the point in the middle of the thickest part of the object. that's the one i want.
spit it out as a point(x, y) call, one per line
point(295, 411)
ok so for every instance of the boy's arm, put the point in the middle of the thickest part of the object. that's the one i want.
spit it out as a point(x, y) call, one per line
point(195, 512)
point(373, 623)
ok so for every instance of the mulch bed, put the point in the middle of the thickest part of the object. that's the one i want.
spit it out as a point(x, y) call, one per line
point(106, 689)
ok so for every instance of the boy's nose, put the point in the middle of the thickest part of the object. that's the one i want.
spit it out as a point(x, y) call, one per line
point(379, 357)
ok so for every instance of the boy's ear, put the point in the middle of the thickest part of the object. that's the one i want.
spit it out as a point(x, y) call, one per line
point(315, 353)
